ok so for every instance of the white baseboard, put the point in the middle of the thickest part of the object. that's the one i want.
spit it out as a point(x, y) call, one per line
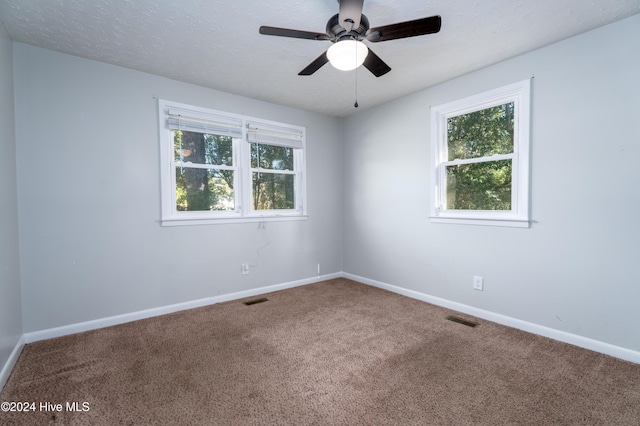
point(154, 312)
point(573, 339)
point(11, 362)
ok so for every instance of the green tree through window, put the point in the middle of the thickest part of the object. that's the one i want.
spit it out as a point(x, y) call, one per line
point(202, 189)
point(484, 185)
point(273, 181)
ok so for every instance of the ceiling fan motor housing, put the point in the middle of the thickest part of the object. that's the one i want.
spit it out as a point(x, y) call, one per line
point(338, 33)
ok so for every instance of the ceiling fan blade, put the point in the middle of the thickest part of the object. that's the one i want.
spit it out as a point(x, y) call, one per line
point(286, 32)
point(315, 65)
point(376, 65)
point(349, 15)
point(413, 28)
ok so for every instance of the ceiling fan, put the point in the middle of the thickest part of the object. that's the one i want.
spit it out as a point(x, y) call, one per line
point(347, 30)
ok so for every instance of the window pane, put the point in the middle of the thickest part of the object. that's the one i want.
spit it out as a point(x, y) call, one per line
point(202, 148)
point(481, 133)
point(271, 157)
point(272, 191)
point(204, 189)
point(479, 186)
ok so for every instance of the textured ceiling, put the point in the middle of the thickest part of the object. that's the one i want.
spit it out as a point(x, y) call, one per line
point(216, 44)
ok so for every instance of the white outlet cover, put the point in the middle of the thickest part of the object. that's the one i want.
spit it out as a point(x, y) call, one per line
point(478, 283)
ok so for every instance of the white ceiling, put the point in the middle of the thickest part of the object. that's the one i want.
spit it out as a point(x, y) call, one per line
point(216, 44)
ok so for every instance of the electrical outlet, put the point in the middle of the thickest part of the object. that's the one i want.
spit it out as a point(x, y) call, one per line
point(478, 283)
point(245, 269)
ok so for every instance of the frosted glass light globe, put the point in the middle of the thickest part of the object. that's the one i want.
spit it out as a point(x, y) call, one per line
point(347, 55)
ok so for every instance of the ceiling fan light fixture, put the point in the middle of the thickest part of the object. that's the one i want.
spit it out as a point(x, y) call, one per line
point(347, 55)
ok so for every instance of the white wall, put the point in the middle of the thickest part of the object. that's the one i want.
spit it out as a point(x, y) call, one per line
point(89, 197)
point(575, 270)
point(10, 304)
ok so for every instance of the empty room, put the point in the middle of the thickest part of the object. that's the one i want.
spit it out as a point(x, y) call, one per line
point(319, 212)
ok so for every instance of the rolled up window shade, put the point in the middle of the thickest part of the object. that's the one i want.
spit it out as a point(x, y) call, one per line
point(193, 121)
point(274, 135)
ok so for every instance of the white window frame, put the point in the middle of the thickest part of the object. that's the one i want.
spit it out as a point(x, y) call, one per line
point(519, 215)
point(243, 129)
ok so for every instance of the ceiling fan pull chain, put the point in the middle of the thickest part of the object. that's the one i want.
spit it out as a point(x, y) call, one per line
point(355, 105)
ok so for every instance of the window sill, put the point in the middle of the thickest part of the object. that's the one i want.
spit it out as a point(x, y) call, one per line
point(227, 220)
point(510, 223)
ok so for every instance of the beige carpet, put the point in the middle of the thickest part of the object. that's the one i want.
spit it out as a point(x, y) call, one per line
point(331, 353)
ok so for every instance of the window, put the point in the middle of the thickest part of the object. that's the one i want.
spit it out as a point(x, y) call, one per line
point(219, 167)
point(481, 158)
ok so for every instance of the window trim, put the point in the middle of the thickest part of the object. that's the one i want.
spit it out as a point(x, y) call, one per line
point(519, 215)
point(243, 212)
